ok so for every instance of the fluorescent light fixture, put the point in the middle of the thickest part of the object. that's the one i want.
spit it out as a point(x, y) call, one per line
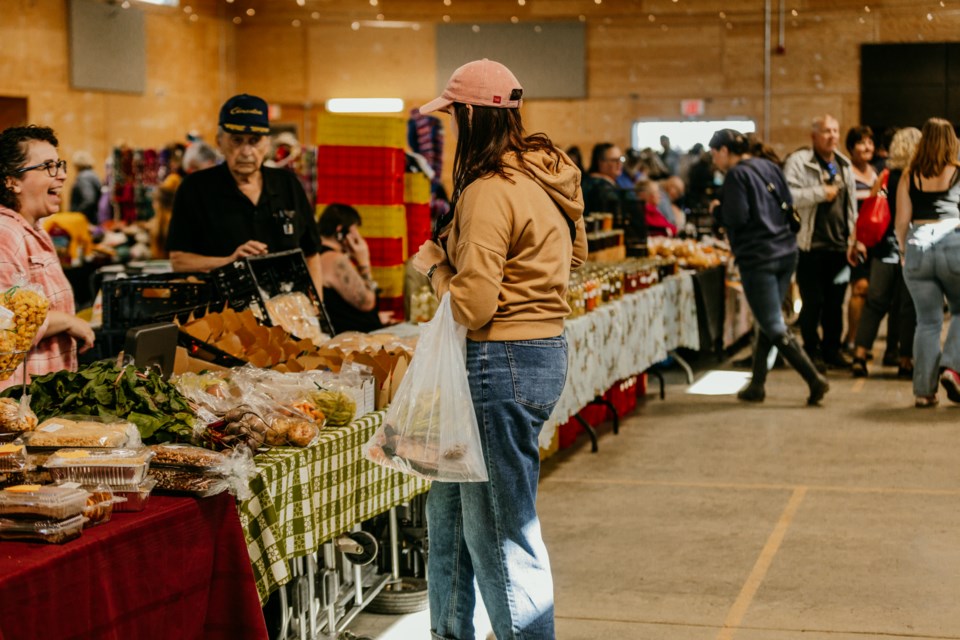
point(365, 105)
point(390, 24)
point(162, 3)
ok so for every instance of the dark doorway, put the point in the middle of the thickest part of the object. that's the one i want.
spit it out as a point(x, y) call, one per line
point(13, 112)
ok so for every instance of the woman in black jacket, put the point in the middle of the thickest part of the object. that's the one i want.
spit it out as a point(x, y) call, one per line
point(754, 205)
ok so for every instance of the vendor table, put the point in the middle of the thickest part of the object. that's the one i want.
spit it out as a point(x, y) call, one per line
point(305, 497)
point(178, 569)
point(623, 338)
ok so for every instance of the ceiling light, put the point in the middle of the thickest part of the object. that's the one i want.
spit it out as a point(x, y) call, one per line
point(295, 23)
point(251, 12)
point(514, 19)
point(162, 3)
point(380, 23)
point(365, 105)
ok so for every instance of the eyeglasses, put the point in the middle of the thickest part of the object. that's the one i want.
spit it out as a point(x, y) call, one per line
point(53, 167)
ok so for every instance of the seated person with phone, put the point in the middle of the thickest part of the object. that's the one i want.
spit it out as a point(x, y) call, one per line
point(349, 291)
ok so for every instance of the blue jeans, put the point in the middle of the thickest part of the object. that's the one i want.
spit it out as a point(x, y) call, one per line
point(490, 530)
point(765, 286)
point(932, 272)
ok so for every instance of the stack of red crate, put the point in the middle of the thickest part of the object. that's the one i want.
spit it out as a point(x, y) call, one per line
point(360, 162)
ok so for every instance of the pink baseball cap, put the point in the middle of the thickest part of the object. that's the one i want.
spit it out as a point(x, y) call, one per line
point(483, 83)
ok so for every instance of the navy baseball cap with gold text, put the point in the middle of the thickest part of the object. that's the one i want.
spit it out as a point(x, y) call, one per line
point(244, 114)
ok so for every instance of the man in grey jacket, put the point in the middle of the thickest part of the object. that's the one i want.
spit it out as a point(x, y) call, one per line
point(822, 185)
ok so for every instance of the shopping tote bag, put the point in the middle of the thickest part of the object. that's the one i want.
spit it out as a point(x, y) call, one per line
point(874, 216)
point(430, 429)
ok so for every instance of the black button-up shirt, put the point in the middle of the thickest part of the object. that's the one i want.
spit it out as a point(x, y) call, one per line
point(212, 217)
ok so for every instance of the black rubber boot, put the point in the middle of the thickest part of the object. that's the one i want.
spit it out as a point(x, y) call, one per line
point(801, 362)
point(754, 392)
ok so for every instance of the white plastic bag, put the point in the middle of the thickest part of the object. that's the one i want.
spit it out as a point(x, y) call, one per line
point(430, 429)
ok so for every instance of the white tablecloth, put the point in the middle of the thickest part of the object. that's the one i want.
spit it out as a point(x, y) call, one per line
point(621, 339)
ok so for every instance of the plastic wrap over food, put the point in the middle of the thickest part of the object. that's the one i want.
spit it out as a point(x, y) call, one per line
point(84, 431)
point(297, 315)
point(174, 464)
point(23, 310)
point(15, 415)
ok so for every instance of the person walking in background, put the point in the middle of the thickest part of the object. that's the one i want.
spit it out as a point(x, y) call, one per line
point(516, 232)
point(85, 194)
point(859, 145)
point(766, 253)
point(928, 216)
point(822, 185)
point(888, 291)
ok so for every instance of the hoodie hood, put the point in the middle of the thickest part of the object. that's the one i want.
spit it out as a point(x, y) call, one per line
point(556, 175)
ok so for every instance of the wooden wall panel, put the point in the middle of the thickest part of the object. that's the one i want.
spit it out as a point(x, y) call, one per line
point(189, 73)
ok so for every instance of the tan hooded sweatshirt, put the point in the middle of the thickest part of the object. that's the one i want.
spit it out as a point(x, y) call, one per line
point(510, 250)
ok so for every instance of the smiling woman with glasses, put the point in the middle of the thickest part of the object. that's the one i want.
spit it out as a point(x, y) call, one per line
point(31, 187)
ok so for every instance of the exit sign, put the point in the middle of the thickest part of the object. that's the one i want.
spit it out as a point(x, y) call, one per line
point(691, 108)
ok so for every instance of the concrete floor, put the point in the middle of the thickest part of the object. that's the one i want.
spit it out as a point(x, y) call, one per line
point(709, 519)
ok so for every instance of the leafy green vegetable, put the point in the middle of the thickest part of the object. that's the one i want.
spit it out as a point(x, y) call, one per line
point(102, 389)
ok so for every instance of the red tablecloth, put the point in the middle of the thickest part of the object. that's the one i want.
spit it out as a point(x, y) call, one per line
point(178, 569)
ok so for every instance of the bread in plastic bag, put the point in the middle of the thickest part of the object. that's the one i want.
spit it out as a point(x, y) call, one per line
point(430, 430)
point(84, 431)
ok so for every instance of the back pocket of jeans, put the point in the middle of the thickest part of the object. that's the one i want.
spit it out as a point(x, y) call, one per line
point(539, 370)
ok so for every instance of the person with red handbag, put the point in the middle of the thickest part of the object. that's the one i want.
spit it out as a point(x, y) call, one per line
point(887, 291)
point(860, 146)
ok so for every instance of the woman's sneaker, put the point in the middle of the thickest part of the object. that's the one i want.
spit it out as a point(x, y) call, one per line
point(950, 380)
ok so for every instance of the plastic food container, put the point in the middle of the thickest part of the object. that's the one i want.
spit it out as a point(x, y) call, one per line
point(96, 466)
point(136, 495)
point(13, 457)
point(186, 456)
point(202, 485)
point(100, 504)
point(35, 501)
point(51, 531)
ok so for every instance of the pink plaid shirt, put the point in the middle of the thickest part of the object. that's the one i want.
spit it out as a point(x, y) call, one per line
point(28, 251)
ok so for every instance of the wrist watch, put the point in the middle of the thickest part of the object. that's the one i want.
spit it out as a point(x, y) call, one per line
point(431, 270)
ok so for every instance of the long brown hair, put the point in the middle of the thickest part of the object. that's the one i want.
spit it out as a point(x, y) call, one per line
point(483, 140)
point(938, 149)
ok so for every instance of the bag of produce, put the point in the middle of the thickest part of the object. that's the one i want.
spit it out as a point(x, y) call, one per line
point(23, 309)
point(430, 429)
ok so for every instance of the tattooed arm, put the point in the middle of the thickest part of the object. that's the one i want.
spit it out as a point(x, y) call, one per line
point(351, 286)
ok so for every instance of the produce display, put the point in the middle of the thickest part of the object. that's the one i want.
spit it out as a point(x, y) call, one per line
point(690, 254)
point(23, 310)
point(159, 411)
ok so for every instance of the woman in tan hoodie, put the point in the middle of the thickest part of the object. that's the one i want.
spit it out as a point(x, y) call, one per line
point(515, 234)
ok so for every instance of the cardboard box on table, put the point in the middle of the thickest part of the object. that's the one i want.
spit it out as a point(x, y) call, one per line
point(239, 335)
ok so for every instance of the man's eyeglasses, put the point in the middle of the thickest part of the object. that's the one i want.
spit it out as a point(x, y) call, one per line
point(53, 167)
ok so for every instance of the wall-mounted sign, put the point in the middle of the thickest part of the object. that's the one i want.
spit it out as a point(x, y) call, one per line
point(691, 108)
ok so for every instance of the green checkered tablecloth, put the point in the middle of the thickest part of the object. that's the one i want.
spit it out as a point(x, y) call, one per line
point(304, 497)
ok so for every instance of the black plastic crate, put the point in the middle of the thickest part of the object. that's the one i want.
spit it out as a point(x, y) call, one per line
point(250, 282)
point(138, 300)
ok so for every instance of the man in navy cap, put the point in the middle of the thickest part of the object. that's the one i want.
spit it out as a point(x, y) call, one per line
point(240, 208)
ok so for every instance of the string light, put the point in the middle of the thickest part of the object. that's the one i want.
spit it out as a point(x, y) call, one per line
point(194, 17)
point(315, 15)
point(514, 19)
point(251, 12)
point(188, 9)
point(125, 5)
point(373, 3)
point(295, 23)
point(355, 26)
point(301, 2)
point(446, 18)
point(237, 20)
point(476, 28)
